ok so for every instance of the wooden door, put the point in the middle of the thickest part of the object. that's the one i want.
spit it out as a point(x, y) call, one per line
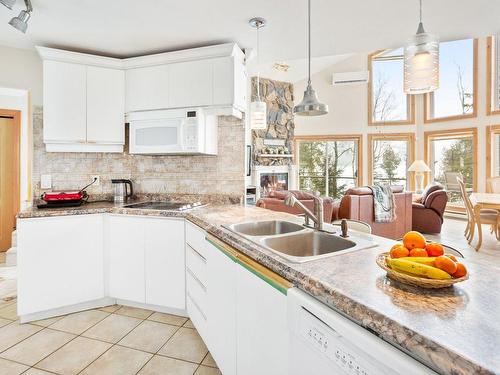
point(9, 175)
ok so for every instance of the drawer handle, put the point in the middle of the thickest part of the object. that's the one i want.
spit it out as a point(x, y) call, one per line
point(196, 279)
point(197, 253)
point(196, 305)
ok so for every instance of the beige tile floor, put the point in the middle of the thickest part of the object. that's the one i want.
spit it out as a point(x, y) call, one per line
point(114, 340)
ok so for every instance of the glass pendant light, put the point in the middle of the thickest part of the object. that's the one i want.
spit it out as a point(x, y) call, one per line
point(310, 105)
point(258, 108)
point(421, 62)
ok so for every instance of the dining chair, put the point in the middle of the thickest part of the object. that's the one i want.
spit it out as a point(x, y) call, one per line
point(357, 225)
point(493, 185)
point(485, 216)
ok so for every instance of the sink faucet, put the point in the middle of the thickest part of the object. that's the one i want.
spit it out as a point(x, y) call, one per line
point(316, 216)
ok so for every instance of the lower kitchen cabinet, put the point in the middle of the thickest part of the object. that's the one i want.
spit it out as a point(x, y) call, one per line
point(60, 262)
point(146, 260)
point(262, 346)
point(222, 314)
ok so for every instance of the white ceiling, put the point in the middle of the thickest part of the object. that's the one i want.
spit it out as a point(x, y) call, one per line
point(131, 27)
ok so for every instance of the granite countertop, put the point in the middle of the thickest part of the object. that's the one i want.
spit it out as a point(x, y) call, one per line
point(453, 330)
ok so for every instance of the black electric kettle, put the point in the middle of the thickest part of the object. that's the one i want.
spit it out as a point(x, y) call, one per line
point(121, 190)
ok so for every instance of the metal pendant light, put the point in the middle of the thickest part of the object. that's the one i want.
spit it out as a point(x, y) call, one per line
point(421, 62)
point(258, 108)
point(310, 105)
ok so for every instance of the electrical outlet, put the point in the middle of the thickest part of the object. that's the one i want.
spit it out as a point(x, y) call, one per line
point(97, 179)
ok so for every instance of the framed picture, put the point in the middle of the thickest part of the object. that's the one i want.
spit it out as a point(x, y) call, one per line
point(249, 160)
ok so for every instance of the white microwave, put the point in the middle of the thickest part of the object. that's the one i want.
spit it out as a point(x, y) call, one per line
point(173, 132)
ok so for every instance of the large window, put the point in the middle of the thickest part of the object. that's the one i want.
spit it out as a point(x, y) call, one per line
point(330, 165)
point(492, 151)
point(387, 102)
point(451, 154)
point(390, 155)
point(492, 75)
point(457, 94)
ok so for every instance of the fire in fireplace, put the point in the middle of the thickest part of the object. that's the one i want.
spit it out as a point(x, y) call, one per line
point(272, 182)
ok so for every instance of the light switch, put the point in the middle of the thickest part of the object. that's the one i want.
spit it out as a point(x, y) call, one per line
point(45, 181)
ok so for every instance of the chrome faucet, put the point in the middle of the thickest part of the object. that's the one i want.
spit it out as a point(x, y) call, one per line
point(316, 216)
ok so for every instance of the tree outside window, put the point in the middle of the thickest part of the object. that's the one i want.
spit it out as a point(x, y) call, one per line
point(390, 160)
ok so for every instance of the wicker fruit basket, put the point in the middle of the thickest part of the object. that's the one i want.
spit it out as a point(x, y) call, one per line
point(415, 280)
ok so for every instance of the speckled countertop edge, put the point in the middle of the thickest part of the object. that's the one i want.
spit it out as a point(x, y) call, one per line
point(439, 357)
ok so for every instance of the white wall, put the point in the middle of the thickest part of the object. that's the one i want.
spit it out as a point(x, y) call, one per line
point(349, 114)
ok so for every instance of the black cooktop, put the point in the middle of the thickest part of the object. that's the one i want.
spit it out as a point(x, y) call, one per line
point(159, 205)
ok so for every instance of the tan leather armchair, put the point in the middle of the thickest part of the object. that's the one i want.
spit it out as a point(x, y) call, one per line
point(357, 204)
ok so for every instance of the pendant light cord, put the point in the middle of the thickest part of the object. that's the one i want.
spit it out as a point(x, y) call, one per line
point(309, 40)
point(420, 11)
point(258, 63)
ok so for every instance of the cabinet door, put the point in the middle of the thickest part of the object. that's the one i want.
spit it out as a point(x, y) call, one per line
point(190, 84)
point(126, 258)
point(165, 263)
point(223, 89)
point(261, 325)
point(60, 262)
point(147, 88)
point(64, 102)
point(105, 105)
point(221, 314)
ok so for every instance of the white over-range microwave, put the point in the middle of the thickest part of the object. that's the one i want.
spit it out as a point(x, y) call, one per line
point(173, 132)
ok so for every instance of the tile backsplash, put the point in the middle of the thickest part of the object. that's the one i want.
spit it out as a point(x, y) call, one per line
point(222, 174)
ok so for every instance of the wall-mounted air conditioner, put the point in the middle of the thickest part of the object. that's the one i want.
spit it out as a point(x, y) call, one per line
point(350, 78)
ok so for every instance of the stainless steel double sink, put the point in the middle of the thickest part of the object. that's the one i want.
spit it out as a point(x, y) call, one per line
point(296, 243)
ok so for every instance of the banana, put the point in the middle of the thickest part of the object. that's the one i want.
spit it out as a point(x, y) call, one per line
point(417, 269)
point(423, 260)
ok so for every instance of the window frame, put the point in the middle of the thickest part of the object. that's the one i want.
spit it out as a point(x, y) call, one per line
point(491, 130)
point(490, 72)
point(409, 137)
point(431, 135)
point(473, 114)
point(410, 102)
point(325, 138)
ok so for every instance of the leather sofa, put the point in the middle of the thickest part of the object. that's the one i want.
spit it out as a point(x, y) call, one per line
point(428, 211)
point(357, 204)
point(275, 202)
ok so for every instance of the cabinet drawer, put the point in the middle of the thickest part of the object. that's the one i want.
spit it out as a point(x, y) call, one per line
point(197, 317)
point(197, 264)
point(197, 291)
point(195, 237)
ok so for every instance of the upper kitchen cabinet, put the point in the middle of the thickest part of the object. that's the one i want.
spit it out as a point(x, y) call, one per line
point(83, 98)
point(213, 77)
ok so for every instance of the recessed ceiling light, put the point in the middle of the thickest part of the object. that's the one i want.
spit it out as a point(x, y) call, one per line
point(281, 66)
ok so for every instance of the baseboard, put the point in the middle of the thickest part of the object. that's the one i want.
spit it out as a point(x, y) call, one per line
point(102, 302)
point(162, 309)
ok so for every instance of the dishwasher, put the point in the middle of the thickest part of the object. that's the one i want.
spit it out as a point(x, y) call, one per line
point(323, 341)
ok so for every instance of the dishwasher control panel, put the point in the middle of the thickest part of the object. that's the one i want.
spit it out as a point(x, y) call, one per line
point(330, 343)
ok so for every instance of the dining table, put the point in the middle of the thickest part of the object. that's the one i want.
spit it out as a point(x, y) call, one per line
point(481, 201)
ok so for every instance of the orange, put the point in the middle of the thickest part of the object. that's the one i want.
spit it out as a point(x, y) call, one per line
point(418, 252)
point(460, 272)
point(414, 239)
point(399, 251)
point(434, 249)
point(446, 264)
point(452, 257)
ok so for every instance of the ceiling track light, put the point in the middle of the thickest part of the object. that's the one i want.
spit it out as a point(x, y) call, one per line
point(421, 62)
point(258, 108)
point(21, 21)
point(310, 105)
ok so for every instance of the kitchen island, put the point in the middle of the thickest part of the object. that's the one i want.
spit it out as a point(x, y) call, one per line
point(453, 330)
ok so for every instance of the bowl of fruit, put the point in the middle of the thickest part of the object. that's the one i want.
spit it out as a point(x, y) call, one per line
point(415, 261)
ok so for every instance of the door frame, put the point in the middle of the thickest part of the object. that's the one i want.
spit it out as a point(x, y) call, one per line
point(16, 117)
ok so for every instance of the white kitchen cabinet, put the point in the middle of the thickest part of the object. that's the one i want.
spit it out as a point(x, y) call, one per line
point(147, 88)
point(262, 339)
point(222, 314)
point(105, 105)
point(126, 258)
point(190, 84)
point(230, 82)
point(164, 262)
point(64, 102)
point(60, 262)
